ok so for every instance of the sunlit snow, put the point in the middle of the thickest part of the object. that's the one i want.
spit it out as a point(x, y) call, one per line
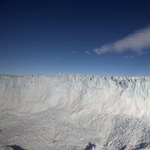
point(73, 112)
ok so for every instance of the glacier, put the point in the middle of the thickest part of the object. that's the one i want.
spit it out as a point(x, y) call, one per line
point(108, 112)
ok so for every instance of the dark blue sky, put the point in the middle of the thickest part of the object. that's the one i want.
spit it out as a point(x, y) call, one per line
point(52, 36)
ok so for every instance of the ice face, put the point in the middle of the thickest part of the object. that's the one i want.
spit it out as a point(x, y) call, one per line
point(74, 112)
point(80, 94)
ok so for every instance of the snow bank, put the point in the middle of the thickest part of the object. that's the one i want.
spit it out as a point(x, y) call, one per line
point(79, 94)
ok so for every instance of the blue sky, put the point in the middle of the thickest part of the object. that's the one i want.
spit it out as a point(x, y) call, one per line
point(103, 38)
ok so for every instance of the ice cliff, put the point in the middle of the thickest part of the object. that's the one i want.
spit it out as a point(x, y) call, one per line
point(79, 94)
point(72, 112)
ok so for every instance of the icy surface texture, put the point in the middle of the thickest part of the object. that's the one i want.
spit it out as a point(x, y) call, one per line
point(79, 94)
point(72, 112)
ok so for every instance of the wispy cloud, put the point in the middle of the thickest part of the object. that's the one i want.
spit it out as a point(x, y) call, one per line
point(58, 58)
point(128, 57)
point(87, 52)
point(73, 51)
point(136, 42)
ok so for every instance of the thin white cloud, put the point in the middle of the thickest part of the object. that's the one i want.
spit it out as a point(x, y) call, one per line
point(136, 42)
point(128, 57)
point(73, 51)
point(58, 58)
point(87, 52)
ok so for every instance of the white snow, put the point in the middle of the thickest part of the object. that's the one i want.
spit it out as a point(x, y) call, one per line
point(69, 111)
point(117, 95)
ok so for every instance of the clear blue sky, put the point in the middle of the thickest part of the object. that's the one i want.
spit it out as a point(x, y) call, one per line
point(97, 37)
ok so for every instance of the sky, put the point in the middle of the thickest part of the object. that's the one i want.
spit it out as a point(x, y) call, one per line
point(85, 37)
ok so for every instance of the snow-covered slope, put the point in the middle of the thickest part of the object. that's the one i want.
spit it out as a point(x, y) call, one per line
point(79, 94)
point(72, 112)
